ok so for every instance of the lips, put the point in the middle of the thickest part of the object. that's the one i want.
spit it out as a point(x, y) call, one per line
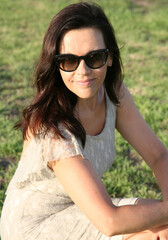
point(85, 82)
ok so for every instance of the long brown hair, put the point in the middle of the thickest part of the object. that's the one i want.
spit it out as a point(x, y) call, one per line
point(54, 103)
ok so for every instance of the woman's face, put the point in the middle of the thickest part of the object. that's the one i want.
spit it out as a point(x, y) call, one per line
point(84, 81)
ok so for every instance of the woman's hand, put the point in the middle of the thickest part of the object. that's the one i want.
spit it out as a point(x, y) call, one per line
point(160, 233)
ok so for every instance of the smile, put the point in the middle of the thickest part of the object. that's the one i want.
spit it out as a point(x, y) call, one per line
point(85, 82)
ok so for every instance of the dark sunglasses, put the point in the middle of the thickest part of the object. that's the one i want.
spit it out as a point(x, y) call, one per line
point(94, 59)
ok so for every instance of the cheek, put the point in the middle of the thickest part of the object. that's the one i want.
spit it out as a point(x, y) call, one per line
point(67, 80)
point(65, 77)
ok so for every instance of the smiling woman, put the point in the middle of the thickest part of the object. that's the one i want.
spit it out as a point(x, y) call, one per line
point(69, 141)
point(82, 80)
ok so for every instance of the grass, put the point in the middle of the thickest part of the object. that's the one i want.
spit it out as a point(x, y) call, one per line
point(141, 29)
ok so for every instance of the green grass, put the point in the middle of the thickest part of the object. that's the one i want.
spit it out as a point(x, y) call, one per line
point(141, 29)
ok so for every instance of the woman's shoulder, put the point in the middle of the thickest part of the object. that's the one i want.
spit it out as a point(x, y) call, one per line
point(28, 139)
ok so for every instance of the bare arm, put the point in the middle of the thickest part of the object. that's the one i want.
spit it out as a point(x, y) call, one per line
point(88, 192)
point(134, 129)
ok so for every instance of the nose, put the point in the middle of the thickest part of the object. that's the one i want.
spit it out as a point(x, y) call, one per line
point(82, 68)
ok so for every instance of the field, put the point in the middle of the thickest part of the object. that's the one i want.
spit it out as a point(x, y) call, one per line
point(141, 29)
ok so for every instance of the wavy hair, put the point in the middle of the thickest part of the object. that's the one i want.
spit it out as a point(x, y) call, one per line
point(54, 103)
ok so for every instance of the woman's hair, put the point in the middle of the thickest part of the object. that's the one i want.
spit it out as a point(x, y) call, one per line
point(54, 103)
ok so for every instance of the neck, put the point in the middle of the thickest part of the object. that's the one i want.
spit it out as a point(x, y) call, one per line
point(92, 113)
point(91, 104)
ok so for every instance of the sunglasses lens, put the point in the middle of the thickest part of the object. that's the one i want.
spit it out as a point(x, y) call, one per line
point(96, 59)
point(67, 63)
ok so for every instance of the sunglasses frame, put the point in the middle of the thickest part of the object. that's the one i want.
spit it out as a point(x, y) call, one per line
point(59, 56)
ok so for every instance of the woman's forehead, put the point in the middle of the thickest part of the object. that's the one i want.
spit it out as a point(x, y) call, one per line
point(81, 41)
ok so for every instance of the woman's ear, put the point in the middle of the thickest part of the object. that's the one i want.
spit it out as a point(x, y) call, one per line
point(109, 61)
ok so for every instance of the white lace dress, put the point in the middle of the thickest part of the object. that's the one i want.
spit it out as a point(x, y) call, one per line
point(36, 205)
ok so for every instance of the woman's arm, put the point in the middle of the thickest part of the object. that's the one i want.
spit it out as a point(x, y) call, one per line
point(86, 189)
point(134, 129)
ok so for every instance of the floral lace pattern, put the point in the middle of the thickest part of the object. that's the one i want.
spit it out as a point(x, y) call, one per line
point(36, 205)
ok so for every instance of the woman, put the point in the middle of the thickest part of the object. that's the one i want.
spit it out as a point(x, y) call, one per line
point(56, 192)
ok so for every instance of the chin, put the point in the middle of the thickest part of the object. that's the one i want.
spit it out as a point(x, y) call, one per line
point(85, 95)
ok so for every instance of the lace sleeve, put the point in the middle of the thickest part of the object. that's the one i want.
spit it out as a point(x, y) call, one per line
point(54, 148)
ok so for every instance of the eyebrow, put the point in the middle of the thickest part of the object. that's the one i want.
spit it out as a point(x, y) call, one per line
point(81, 55)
